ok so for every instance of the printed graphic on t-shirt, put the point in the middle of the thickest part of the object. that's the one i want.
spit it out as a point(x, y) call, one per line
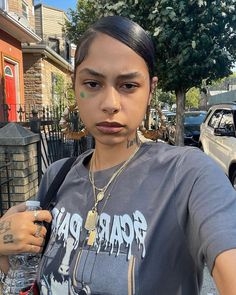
point(108, 267)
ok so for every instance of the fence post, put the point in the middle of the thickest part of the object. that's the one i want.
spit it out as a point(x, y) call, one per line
point(35, 123)
point(21, 146)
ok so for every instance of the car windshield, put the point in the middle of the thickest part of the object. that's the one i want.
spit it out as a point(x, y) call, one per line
point(194, 118)
point(169, 117)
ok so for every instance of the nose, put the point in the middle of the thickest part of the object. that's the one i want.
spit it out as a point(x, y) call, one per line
point(111, 101)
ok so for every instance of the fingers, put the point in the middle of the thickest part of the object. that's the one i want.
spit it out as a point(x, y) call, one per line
point(20, 207)
point(36, 244)
point(34, 249)
point(40, 215)
point(15, 209)
point(39, 230)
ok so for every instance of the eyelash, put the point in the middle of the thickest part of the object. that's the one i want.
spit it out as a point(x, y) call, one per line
point(90, 83)
point(133, 86)
point(128, 87)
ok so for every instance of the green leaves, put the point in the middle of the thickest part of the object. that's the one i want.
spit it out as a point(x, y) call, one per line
point(192, 38)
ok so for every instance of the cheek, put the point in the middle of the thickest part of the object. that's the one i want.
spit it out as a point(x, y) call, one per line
point(84, 95)
point(87, 109)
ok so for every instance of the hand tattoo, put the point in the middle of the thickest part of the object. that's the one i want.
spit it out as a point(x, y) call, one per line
point(8, 239)
point(4, 227)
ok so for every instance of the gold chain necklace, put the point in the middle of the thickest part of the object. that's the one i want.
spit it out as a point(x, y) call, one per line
point(92, 215)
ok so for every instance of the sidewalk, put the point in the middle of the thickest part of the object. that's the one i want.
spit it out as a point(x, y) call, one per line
point(208, 287)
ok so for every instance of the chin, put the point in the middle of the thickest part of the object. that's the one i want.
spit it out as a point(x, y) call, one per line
point(111, 140)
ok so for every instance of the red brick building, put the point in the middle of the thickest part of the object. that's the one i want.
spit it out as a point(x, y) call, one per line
point(17, 24)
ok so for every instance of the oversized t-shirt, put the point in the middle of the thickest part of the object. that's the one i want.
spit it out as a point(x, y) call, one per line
point(167, 214)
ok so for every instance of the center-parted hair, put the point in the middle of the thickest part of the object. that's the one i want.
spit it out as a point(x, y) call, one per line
point(122, 29)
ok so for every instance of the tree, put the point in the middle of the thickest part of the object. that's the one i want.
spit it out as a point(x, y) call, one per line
point(193, 98)
point(162, 98)
point(80, 19)
point(194, 39)
point(63, 93)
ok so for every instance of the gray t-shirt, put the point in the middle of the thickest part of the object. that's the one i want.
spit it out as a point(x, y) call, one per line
point(169, 212)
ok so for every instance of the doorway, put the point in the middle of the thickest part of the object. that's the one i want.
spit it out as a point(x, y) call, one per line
point(10, 75)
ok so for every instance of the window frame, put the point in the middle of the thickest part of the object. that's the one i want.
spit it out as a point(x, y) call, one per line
point(25, 9)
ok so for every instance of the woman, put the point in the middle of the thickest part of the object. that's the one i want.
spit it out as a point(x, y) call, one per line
point(133, 218)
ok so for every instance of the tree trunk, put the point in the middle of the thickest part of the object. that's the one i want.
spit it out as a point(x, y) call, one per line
point(180, 108)
point(203, 100)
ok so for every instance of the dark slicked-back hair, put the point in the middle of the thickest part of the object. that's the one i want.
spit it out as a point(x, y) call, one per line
point(123, 30)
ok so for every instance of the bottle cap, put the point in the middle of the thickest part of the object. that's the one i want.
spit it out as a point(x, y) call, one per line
point(32, 203)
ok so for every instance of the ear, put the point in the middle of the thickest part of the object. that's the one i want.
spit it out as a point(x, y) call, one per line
point(152, 88)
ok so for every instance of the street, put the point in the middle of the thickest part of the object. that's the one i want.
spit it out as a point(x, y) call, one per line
point(208, 287)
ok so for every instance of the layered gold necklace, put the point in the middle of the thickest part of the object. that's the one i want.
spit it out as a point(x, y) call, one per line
point(92, 215)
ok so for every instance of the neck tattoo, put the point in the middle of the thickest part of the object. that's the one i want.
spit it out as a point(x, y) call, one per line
point(92, 215)
point(133, 141)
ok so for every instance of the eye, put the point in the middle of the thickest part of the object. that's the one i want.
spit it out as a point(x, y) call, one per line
point(129, 86)
point(92, 84)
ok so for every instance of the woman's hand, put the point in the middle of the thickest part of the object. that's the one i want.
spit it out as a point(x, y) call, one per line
point(19, 231)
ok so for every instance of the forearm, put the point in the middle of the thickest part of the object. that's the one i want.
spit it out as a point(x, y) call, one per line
point(224, 272)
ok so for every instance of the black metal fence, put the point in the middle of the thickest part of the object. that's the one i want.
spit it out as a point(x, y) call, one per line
point(5, 181)
point(23, 113)
point(53, 145)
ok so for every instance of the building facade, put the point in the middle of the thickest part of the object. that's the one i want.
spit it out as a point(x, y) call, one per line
point(48, 61)
point(17, 26)
point(34, 56)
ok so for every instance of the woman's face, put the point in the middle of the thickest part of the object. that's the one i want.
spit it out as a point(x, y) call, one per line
point(112, 89)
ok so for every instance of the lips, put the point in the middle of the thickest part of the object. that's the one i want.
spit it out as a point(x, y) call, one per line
point(109, 127)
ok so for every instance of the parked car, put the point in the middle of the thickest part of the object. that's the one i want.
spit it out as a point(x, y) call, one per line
point(218, 138)
point(160, 121)
point(192, 122)
point(168, 118)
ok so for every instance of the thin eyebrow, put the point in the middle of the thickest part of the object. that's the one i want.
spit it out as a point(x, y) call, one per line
point(122, 76)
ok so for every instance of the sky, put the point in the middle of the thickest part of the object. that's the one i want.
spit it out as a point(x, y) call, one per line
point(60, 4)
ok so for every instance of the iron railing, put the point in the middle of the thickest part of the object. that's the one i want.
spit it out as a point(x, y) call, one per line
point(5, 181)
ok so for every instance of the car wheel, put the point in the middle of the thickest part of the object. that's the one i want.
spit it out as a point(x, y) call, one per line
point(233, 180)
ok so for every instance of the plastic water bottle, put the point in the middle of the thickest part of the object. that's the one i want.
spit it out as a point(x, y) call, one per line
point(23, 267)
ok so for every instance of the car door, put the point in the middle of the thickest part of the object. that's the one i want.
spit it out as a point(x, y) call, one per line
point(209, 141)
point(226, 144)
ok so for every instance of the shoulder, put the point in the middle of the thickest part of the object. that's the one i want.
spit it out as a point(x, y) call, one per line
point(163, 153)
point(186, 167)
point(54, 169)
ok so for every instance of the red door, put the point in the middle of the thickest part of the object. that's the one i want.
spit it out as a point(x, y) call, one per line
point(10, 89)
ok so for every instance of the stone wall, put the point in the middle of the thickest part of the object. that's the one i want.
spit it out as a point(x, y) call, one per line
point(33, 78)
point(48, 68)
point(20, 146)
point(38, 72)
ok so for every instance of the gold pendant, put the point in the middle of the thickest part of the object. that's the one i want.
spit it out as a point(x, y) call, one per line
point(100, 196)
point(91, 220)
point(92, 237)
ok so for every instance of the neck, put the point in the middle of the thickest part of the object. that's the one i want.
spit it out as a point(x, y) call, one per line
point(108, 156)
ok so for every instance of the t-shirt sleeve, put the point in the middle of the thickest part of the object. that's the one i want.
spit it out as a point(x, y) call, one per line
point(206, 203)
point(48, 177)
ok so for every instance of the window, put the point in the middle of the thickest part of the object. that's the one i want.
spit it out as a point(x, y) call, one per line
point(3, 5)
point(67, 49)
point(54, 44)
point(25, 10)
point(54, 82)
point(227, 121)
point(215, 119)
point(8, 71)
